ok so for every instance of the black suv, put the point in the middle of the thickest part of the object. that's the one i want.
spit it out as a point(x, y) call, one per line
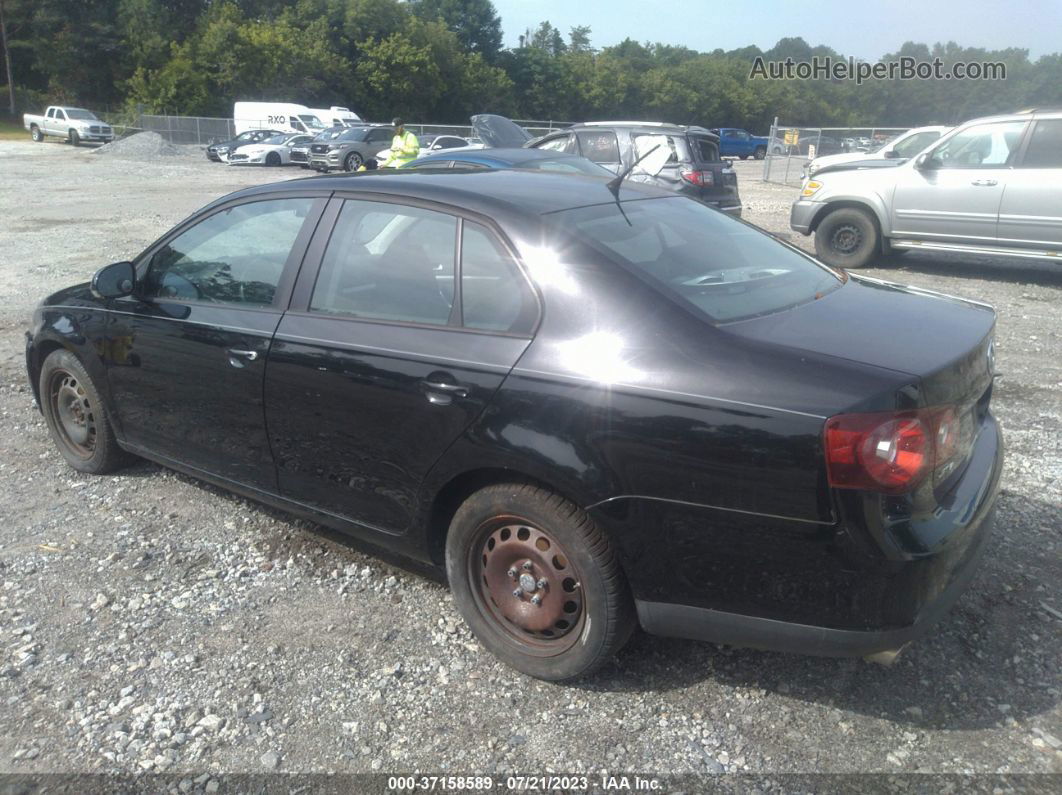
point(695, 167)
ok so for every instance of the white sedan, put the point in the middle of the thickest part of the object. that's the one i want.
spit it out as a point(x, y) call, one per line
point(275, 151)
point(430, 144)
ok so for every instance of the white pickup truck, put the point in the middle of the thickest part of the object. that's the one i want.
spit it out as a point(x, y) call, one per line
point(73, 124)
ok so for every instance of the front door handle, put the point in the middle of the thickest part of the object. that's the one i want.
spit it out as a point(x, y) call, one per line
point(248, 355)
point(984, 183)
point(450, 389)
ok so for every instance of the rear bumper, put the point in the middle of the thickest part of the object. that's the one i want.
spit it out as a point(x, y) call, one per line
point(923, 588)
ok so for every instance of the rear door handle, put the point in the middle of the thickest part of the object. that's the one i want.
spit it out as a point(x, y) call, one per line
point(981, 183)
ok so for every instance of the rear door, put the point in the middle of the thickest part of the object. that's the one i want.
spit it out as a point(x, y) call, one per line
point(391, 349)
point(1030, 214)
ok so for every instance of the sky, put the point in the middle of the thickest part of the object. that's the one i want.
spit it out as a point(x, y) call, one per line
point(866, 30)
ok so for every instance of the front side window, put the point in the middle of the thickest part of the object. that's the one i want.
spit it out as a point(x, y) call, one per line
point(1045, 145)
point(494, 295)
point(388, 262)
point(724, 269)
point(559, 144)
point(235, 256)
point(380, 134)
point(979, 146)
point(599, 146)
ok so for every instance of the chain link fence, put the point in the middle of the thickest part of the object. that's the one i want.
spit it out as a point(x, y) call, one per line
point(790, 148)
point(204, 130)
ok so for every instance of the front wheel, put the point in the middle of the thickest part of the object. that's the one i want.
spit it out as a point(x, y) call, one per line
point(538, 582)
point(36, 134)
point(760, 153)
point(847, 238)
point(75, 139)
point(76, 419)
point(353, 162)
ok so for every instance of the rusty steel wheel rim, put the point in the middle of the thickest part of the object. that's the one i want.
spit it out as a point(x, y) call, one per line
point(73, 412)
point(526, 582)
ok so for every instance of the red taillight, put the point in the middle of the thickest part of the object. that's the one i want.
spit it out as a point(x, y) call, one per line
point(704, 179)
point(890, 452)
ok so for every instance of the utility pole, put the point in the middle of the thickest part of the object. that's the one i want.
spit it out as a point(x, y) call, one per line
point(7, 62)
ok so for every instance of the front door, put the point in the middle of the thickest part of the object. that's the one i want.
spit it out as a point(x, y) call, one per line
point(1031, 212)
point(187, 378)
point(955, 195)
point(389, 359)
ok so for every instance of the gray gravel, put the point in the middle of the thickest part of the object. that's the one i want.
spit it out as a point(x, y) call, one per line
point(146, 145)
point(149, 622)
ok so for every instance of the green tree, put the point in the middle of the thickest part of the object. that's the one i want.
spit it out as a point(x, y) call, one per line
point(475, 23)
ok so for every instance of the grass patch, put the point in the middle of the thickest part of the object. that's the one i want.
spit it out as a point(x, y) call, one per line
point(12, 130)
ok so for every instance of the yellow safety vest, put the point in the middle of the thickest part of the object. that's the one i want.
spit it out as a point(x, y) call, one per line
point(404, 147)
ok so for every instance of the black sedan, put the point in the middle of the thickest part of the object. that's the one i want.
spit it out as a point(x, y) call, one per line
point(594, 410)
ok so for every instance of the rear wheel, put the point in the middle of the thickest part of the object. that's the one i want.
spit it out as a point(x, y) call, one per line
point(847, 238)
point(760, 153)
point(538, 582)
point(75, 139)
point(73, 410)
point(272, 159)
point(36, 134)
point(353, 162)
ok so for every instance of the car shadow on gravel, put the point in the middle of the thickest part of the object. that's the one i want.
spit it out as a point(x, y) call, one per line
point(971, 266)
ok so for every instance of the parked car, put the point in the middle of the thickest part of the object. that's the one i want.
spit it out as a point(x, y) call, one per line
point(287, 117)
point(533, 159)
point(73, 124)
point(906, 145)
point(595, 410)
point(435, 143)
point(275, 151)
point(350, 149)
point(300, 153)
point(695, 168)
point(990, 186)
point(221, 150)
point(734, 142)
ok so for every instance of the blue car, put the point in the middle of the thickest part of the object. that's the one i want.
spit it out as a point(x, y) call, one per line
point(534, 159)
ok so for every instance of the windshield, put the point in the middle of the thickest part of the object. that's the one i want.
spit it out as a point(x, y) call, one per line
point(725, 269)
point(83, 115)
point(312, 122)
point(276, 140)
point(328, 135)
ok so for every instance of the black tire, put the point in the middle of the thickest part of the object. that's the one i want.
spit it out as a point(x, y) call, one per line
point(587, 614)
point(75, 139)
point(36, 134)
point(760, 153)
point(778, 151)
point(744, 157)
point(272, 159)
point(76, 418)
point(352, 162)
point(847, 238)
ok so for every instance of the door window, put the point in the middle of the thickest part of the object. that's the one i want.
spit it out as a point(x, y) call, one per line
point(562, 143)
point(235, 256)
point(494, 295)
point(388, 262)
point(600, 146)
point(380, 135)
point(705, 148)
point(980, 146)
point(1045, 145)
point(909, 147)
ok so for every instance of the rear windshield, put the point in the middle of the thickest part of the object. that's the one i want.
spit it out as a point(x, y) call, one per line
point(725, 269)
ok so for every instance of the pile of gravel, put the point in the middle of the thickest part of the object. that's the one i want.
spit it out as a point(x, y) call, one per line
point(145, 144)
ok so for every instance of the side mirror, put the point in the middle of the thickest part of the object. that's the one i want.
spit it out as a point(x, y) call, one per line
point(890, 154)
point(926, 162)
point(114, 280)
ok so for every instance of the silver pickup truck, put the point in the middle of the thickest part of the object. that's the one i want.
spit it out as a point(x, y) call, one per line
point(73, 124)
point(990, 186)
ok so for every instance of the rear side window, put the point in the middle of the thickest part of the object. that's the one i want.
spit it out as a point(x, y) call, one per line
point(644, 142)
point(494, 296)
point(562, 143)
point(724, 269)
point(1045, 145)
point(236, 256)
point(705, 148)
point(600, 146)
point(388, 262)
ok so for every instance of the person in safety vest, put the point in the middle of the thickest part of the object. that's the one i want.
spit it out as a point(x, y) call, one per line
point(404, 146)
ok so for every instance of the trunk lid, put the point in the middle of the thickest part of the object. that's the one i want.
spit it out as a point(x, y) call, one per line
point(943, 341)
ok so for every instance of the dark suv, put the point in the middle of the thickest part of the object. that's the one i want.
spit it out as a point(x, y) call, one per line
point(694, 169)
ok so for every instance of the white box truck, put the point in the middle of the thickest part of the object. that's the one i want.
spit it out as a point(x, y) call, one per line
point(336, 116)
point(282, 116)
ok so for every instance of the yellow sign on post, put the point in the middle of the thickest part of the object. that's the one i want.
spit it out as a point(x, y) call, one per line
point(792, 137)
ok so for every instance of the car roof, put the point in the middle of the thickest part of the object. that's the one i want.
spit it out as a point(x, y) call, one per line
point(489, 192)
point(659, 127)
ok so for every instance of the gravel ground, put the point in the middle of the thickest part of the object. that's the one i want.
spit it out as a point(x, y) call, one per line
point(149, 622)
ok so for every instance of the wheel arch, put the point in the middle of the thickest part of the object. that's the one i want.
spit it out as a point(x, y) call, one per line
point(876, 215)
